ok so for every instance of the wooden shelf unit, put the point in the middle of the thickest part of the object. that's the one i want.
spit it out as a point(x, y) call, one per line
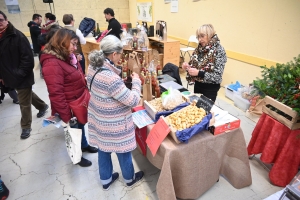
point(170, 49)
point(90, 45)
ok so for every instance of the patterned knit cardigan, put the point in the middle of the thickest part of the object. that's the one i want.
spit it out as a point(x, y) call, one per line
point(110, 123)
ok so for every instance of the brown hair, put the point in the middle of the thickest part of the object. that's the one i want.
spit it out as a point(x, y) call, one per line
point(67, 19)
point(60, 42)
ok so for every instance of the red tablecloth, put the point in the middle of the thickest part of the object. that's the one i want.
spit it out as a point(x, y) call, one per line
point(278, 145)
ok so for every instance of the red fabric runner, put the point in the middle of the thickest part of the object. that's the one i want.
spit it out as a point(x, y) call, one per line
point(279, 145)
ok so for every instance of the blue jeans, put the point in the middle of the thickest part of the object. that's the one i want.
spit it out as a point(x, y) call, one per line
point(106, 167)
point(84, 142)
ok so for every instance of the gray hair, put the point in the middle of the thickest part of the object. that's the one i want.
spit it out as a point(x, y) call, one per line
point(96, 58)
point(108, 45)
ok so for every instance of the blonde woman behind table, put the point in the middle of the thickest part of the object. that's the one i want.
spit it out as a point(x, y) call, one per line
point(111, 127)
point(207, 63)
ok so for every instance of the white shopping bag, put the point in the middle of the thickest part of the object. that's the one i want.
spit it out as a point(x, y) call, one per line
point(73, 143)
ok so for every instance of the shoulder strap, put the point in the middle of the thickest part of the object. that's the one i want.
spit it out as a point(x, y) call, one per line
point(99, 70)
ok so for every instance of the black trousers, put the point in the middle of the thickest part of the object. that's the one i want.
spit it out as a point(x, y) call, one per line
point(209, 90)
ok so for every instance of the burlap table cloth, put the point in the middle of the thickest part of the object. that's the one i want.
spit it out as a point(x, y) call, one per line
point(188, 170)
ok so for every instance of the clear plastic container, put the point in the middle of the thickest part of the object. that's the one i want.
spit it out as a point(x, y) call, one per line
point(240, 102)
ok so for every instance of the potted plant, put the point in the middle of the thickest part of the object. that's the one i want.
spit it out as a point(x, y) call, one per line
point(282, 83)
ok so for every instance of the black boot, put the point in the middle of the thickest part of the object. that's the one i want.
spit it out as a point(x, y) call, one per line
point(84, 162)
point(90, 149)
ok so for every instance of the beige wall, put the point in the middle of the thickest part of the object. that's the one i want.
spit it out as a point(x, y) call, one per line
point(79, 9)
point(267, 29)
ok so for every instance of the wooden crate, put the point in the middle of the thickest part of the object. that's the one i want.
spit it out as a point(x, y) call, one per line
point(293, 124)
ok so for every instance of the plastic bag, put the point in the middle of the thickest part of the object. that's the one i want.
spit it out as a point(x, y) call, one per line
point(171, 98)
point(235, 86)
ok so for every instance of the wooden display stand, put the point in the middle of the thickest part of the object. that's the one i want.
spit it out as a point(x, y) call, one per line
point(169, 48)
point(90, 45)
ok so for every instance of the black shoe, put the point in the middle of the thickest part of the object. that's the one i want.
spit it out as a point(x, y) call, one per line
point(2, 96)
point(90, 149)
point(4, 192)
point(138, 177)
point(114, 177)
point(25, 133)
point(84, 162)
point(15, 102)
point(42, 112)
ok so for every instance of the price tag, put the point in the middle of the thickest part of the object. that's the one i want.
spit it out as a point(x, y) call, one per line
point(205, 103)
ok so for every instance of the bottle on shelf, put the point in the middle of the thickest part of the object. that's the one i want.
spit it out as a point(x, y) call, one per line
point(142, 78)
point(123, 57)
point(98, 29)
point(148, 78)
point(135, 42)
point(153, 82)
point(97, 32)
point(143, 68)
point(157, 90)
point(124, 70)
point(159, 69)
point(141, 59)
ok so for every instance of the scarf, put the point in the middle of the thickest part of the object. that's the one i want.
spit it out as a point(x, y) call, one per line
point(2, 32)
point(203, 58)
point(73, 60)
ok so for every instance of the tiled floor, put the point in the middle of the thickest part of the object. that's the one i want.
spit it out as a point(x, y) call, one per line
point(39, 167)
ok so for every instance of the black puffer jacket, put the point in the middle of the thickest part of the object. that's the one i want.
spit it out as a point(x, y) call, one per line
point(86, 26)
point(35, 31)
point(16, 59)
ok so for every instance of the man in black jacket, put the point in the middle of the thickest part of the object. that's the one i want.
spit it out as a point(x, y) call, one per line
point(16, 71)
point(113, 24)
point(35, 31)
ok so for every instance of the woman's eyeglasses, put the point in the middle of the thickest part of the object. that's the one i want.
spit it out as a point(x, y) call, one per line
point(2, 20)
point(74, 44)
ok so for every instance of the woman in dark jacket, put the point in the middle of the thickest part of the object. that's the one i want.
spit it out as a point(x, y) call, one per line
point(207, 63)
point(64, 79)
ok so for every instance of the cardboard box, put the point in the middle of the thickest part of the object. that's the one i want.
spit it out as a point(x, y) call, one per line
point(252, 116)
point(230, 123)
point(141, 134)
point(223, 121)
point(150, 109)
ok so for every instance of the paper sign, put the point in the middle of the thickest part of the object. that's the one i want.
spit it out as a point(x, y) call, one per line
point(144, 11)
point(205, 103)
point(157, 134)
point(174, 6)
point(141, 118)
